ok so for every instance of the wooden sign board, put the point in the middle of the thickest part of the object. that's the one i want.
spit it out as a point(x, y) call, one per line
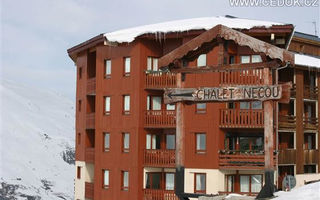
point(280, 93)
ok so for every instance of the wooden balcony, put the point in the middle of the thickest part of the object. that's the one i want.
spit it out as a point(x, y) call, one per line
point(234, 118)
point(159, 158)
point(89, 155)
point(241, 160)
point(90, 121)
point(287, 156)
point(88, 192)
point(91, 86)
point(310, 123)
point(160, 80)
point(287, 122)
point(160, 119)
point(311, 156)
point(153, 194)
point(309, 92)
point(244, 77)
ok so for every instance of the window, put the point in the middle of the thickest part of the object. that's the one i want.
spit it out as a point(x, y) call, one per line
point(230, 183)
point(256, 183)
point(156, 103)
point(202, 60)
point(108, 68)
point(309, 141)
point(153, 141)
point(200, 142)
point(232, 59)
point(244, 183)
point(107, 105)
point(106, 179)
point(245, 59)
point(125, 180)
point(127, 63)
point(126, 142)
point(256, 105)
point(79, 105)
point(152, 64)
point(106, 141)
point(170, 141)
point(153, 180)
point(200, 183)
point(244, 105)
point(201, 108)
point(79, 138)
point(308, 169)
point(148, 102)
point(78, 172)
point(169, 181)
point(171, 107)
point(80, 72)
point(256, 59)
point(126, 104)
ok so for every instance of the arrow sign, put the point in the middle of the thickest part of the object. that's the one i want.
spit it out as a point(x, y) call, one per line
point(280, 93)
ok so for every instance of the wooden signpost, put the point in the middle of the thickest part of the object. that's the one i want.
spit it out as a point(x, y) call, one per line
point(228, 94)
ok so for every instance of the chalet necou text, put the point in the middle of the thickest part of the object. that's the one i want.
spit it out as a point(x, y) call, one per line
point(239, 93)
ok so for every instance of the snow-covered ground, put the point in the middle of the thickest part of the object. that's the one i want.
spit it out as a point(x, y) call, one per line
point(37, 131)
point(306, 192)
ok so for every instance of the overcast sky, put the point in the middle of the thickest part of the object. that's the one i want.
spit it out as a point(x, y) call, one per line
point(36, 34)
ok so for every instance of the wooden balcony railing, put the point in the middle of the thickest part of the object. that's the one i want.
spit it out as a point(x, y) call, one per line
point(310, 123)
point(242, 193)
point(153, 194)
point(159, 158)
point(88, 192)
point(308, 92)
point(160, 119)
point(91, 86)
point(89, 155)
point(160, 80)
point(287, 122)
point(235, 118)
point(244, 77)
point(90, 121)
point(241, 160)
point(287, 156)
point(311, 156)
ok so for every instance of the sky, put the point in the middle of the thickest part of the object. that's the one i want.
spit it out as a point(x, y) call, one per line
point(36, 34)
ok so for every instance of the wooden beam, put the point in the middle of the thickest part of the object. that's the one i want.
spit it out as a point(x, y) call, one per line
point(220, 68)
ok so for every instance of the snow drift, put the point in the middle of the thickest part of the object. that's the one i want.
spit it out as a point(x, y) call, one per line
point(37, 145)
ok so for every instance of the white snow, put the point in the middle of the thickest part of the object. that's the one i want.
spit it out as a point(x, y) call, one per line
point(36, 127)
point(306, 192)
point(305, 60)
point(128, 35)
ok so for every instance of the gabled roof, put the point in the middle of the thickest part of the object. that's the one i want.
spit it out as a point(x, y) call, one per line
point(226, 33)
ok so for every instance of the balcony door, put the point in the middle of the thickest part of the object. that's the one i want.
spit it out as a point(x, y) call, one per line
point(160, 181)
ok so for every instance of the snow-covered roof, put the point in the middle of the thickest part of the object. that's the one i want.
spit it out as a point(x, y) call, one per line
point(128, 35)
point(307, 61)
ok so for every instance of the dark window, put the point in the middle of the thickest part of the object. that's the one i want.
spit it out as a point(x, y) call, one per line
point(79, 105)
point(79, 138)
point(80, 72)
point(153, 180)
point(308, 169)
point(106, 141)
point(309, 141)
point(232, 59)
point(170, 141)
point(78, 172)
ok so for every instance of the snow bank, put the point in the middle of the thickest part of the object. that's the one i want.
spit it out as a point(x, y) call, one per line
point(305, 60)
point(128, 35)
point(306, 192)
point(37, 127)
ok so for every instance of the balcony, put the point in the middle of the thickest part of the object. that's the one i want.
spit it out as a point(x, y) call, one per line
point(309, 92)
point(287, 122)
point(153, 194)
point(244, 77)
point(287, 156)
point(253, 160)
point(160, 119)
point(90, 121)
point(160, 80)
point(91, 86)
point(310, 123)
point(89, 155)
point(311, 156)
point(159, 158)
point(234, 118)
point(88, 193)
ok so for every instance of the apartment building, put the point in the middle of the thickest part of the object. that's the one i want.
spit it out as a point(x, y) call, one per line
point(125, 134)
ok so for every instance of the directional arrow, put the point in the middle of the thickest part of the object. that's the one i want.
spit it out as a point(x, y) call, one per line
point(189, 94)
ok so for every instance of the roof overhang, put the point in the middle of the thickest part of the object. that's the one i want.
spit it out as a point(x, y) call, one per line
point(211, 36)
